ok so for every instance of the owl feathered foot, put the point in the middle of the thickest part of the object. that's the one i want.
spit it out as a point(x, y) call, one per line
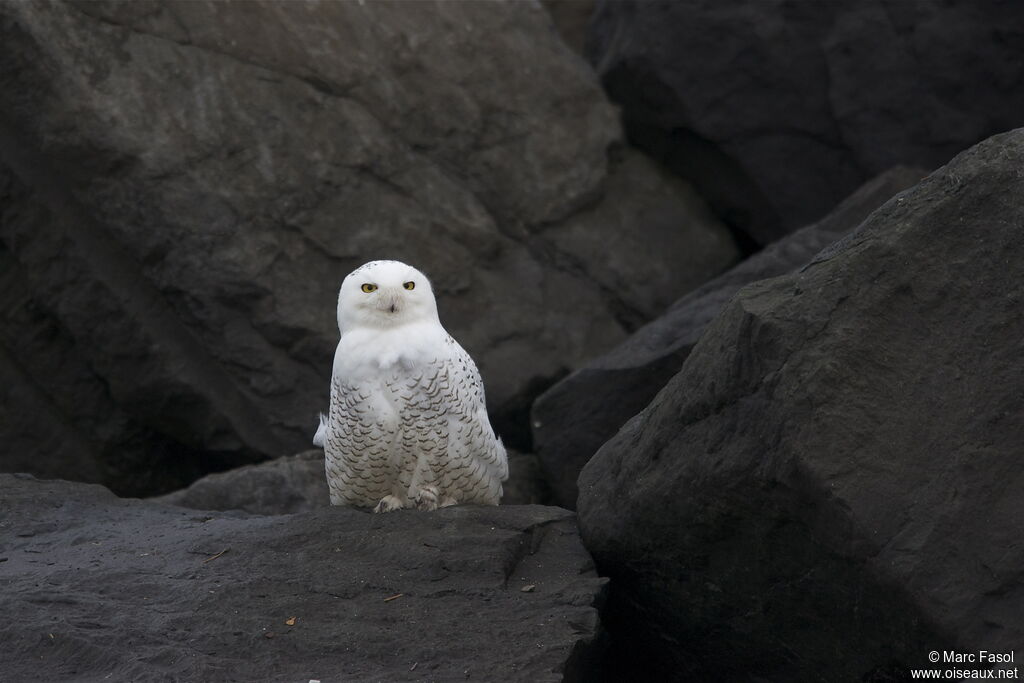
point(430, 498)
point(427, 498)
point(389, 504)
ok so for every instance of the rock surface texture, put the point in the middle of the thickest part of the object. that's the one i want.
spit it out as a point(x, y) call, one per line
point(571, 19)
point(573, 418)
point(777, 109)
point(183, 187)
point(98, 588)
point(832, 482)
point(294, 483)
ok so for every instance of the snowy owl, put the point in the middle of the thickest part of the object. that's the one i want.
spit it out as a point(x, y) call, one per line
point(407, 424)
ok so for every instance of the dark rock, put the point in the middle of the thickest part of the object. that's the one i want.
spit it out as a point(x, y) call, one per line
point(573, 418)
point(629, 266)
point(777, 109)
point(527, 482)
point(297, 483)
point(183, 186)
point(127, 590)
point(831, 484)
point(571, 19)
point(294, 483)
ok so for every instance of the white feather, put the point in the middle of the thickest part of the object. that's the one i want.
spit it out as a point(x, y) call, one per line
point(408, 422)
point(321, 432)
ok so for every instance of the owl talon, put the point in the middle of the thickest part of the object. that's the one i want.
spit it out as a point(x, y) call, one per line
point(426, 498)
point(388, 504)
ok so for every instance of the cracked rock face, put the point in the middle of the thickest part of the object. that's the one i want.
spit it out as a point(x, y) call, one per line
point(777, 109)
point(96, 587)
point(832, 482)
point(573, 418)
point(185, 185)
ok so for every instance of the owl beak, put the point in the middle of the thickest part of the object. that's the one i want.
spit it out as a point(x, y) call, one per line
point(390, 303)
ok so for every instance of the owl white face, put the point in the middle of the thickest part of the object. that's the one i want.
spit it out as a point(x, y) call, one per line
point(385, 294)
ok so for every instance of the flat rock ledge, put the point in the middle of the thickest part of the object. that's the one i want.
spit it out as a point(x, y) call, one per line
point(98, 588)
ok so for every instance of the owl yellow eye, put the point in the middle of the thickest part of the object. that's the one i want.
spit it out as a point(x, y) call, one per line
point(410, 285)
point(369, 288)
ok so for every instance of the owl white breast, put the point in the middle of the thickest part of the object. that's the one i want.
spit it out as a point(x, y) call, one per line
point(407, 424)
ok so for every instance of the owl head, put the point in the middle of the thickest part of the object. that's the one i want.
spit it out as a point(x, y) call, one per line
point(384, 294)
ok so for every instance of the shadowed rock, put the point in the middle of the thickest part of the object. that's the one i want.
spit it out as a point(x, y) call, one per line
point(570, 19)
point(574, 417)
point(777, 109)
point(832, 482)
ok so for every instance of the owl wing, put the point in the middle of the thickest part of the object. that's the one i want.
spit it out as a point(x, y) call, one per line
point(472, 467)
point(358, 442)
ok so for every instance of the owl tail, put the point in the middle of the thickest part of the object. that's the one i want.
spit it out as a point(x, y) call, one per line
point(321, 432)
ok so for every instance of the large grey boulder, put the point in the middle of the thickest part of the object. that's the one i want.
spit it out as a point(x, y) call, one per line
point(97, 588)
point(777, 109)
point(185, 185)
point(830, 487)
point(573, 418)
